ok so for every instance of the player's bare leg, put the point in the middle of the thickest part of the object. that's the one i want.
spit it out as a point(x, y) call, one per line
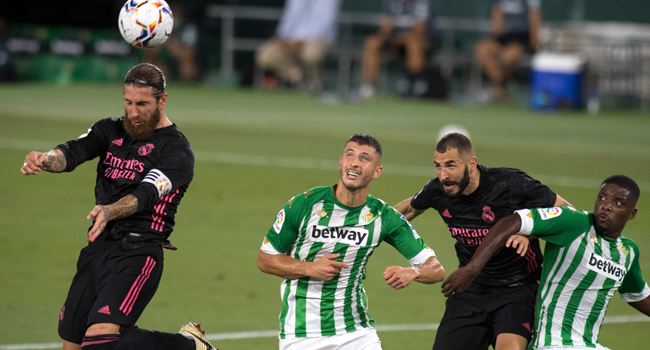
point(416, 46)
point(371, 58)
point(510, 341)
point(487, 52)
point(71, 346)
point(510, 55)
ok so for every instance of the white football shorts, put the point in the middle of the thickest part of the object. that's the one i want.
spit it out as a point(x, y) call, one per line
point(363, 339)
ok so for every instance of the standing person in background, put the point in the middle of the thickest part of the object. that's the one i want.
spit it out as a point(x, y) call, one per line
point(515, 26)
point(413, 38)
point(145, 167)
point(306, 31)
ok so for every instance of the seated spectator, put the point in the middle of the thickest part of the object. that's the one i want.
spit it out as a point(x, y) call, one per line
point(306, 31)
point(413, 38)
point(180, 57)
point(515, 30)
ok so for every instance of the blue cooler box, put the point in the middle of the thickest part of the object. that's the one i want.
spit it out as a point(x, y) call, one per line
point(556, 81)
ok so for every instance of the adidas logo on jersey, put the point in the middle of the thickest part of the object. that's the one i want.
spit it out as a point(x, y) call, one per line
point(328, 234)
point(105, 310)
point(605, 267)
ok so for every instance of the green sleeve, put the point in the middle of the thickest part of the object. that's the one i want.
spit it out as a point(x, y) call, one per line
point(284, 231)
point(634, 287)
point(402, 235)
point(558, 225)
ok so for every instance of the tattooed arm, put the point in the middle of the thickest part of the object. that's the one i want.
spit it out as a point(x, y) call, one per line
point(105, 213)
point(52, 161)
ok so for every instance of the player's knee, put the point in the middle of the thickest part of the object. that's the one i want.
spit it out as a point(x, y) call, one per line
point(100, 342)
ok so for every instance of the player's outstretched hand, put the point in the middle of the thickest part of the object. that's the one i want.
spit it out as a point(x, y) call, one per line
point(520, 242)
point(100, 214)
point(398, 277)
point(34, 162)
point(459, 281)
point(326, 268)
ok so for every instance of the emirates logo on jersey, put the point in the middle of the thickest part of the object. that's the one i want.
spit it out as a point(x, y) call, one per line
point(146, 149)
point(488, 216)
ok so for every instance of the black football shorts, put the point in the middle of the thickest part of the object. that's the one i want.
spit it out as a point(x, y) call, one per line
point(112, 285)
point(474, 320)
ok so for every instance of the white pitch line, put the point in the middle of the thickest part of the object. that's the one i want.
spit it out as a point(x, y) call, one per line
point(274, 333)
point(322, 164)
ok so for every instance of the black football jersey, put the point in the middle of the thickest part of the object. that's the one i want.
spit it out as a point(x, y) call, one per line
point(501, 191)
point(156, 171)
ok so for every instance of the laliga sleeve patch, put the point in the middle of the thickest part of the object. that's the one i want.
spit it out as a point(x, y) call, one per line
point(549, 213)
point(415, 234)
point(279, 221)
point(86, 134)
point(162, 183)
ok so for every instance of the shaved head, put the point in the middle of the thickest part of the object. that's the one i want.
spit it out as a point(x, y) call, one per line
point(458, 142)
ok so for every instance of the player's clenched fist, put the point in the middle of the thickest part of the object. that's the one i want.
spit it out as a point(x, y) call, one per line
point(34, 162)
point(326, 268)
point(399, 277)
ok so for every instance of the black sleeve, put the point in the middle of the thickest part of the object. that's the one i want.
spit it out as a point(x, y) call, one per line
point(531, 193)
point(424, 198)
point(88, 146)
point(173, 171)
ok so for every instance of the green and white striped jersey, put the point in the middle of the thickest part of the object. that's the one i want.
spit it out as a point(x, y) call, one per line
point(314, 224)
point(581, 272)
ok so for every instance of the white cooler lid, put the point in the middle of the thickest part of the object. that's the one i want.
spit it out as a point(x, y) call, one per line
point(558, 62)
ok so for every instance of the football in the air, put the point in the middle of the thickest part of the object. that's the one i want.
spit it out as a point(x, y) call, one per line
point(145, 23)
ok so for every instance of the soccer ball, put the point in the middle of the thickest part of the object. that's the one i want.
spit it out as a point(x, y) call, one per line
point(145, 23)
point(449, 128)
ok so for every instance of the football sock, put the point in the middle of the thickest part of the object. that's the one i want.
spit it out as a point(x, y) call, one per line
point(135, 338)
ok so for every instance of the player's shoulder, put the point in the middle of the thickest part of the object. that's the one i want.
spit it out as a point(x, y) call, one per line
point(309, 196)
point(568, 214)
point(503, 172)
point(109, 123)
point(382, 208)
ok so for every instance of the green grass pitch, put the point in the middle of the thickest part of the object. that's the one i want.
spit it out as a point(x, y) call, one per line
point(213, 277)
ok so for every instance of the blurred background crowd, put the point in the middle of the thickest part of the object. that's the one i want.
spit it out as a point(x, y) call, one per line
point(545, 54)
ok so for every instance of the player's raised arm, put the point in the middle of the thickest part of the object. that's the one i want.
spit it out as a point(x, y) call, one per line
point(287, 267)
point(460, 279)
point(407, 210)
point(52, 161)
point(430, 272)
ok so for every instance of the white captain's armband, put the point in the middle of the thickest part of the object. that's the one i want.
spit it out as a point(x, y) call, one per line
point(422, 257)
point(162, 183)
point(526, 221)
point(267, 247)
point(633, 297)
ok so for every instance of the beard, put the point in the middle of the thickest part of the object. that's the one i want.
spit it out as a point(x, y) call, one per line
point(462, 185)
point(365, 180)
point(144, 131)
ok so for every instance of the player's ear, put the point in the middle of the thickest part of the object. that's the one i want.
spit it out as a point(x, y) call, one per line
point(632, 215)
point(163, 101)
point(472, 162)
point(377, 172)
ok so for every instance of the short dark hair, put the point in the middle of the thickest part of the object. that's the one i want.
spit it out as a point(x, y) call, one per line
point(626, 183)
point(457, 141)
point(147, 75)
point(366, 140)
